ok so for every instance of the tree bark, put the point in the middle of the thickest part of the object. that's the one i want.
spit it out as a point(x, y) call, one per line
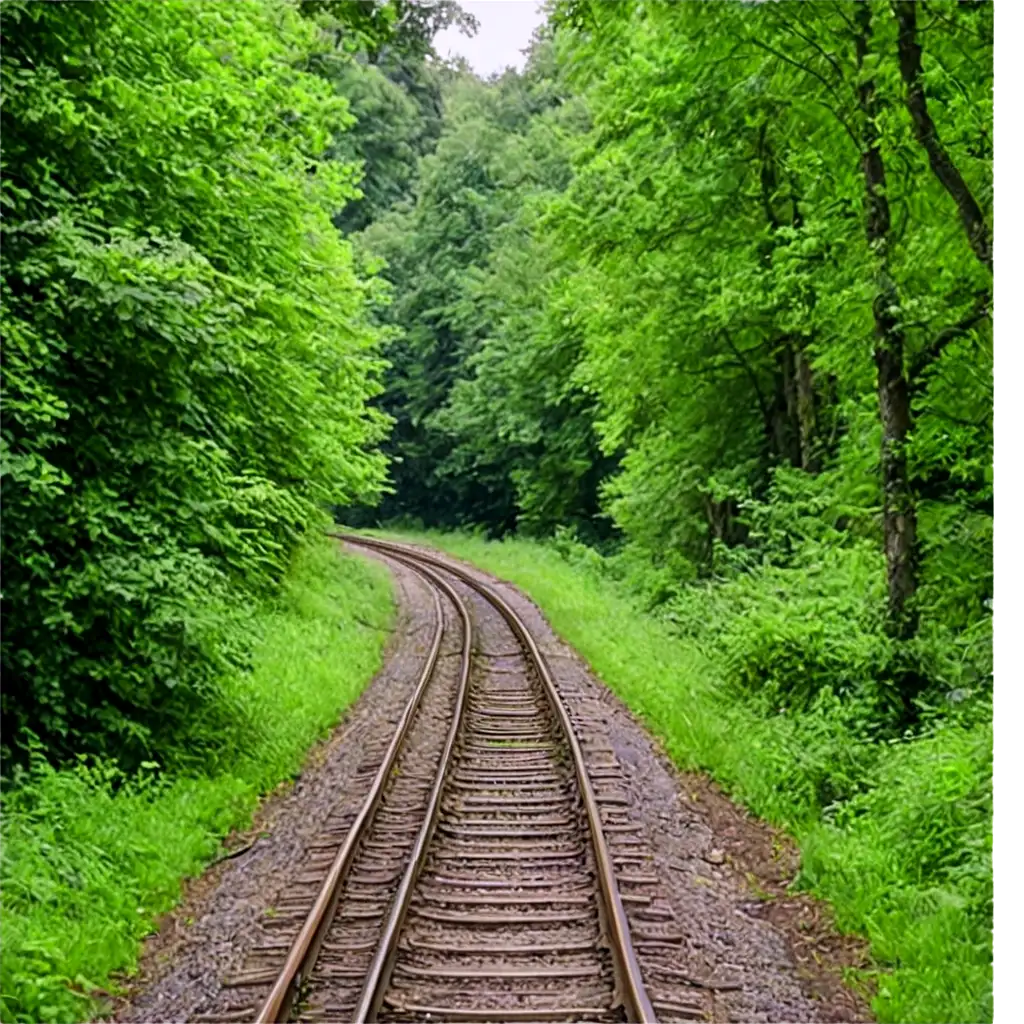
point(942, 165)
point(899, 506)
point(722, 526)
point(807, 416)
point(783, 427)
point(899, 513)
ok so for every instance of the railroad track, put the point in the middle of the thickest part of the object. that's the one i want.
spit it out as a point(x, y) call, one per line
point(487, 874)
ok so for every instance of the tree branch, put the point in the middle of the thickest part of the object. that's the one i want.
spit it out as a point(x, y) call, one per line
point(814, 74)
point(776, 12)
point(981, 311)
point(978, 234)
point(751, 376)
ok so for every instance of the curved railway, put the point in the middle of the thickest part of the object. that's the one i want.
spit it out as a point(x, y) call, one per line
point(480, 878)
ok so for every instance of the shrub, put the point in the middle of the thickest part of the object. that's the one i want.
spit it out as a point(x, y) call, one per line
point(788, 661)
point(187, 358)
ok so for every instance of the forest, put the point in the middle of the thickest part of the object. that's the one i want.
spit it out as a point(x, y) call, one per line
point(696, 308)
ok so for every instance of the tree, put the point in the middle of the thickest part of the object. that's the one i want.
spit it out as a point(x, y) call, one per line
point(187, 359)
point(698, 270)
point(438, 250)
point(407, 27)
point(899, 510)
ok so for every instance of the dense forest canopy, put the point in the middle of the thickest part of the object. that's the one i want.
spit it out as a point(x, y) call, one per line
point(713, 281)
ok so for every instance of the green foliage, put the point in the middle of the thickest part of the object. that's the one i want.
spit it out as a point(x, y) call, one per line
point(909, 863)
point(716, 209)
point(389, 136)
point(187, 356)
point(636, 298)
point(91, 855)
point(489, 424)
point(896, 835)
point(374, 27)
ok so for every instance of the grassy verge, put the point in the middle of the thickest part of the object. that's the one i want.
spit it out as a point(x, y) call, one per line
point(90, 857)
point(895, 834)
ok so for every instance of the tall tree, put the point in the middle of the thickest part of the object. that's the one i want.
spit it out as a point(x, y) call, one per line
point(943, 167)
point(744, 289)
point(899, 512)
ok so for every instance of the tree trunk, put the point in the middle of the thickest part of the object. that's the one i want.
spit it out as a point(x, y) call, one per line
point(810, 457)
point(942, 165)
point(899, 508)
point(722, 526)
point(899, 513)
point(793, 424)
point(785, 437)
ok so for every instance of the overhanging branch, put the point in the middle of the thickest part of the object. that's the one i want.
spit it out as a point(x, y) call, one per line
point(982, 310)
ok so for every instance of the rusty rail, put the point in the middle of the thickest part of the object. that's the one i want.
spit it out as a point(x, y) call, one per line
point(369, 998)
point(630, 981)
point(306, 947)
point(630, 991)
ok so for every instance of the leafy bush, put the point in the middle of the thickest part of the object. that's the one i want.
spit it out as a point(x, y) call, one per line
point(787, 635)
point(186, 359)
point(789, 661)
point(909, 863)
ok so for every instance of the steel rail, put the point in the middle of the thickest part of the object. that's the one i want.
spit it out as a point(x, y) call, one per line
point(633, 993)
point(387, 946)
point(305, 948)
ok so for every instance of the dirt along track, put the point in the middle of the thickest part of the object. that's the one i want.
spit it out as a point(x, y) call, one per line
point(488, 864)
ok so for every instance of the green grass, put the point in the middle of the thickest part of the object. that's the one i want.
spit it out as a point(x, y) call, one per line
point(89, 857)
point(896, 835)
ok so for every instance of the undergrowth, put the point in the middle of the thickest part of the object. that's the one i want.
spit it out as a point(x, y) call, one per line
point(90, 855)
point(771, 682)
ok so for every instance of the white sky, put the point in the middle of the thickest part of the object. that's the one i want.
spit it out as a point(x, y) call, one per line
point(505, 28)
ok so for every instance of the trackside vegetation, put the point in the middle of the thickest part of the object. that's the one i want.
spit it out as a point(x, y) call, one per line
point(187, 355)
point(91, 854)
point(896, 834)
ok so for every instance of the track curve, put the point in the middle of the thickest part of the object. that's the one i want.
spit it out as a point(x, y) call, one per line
point(630, 986)
point(476, 881)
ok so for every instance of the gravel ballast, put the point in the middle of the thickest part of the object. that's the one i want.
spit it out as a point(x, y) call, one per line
point(750, 950)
